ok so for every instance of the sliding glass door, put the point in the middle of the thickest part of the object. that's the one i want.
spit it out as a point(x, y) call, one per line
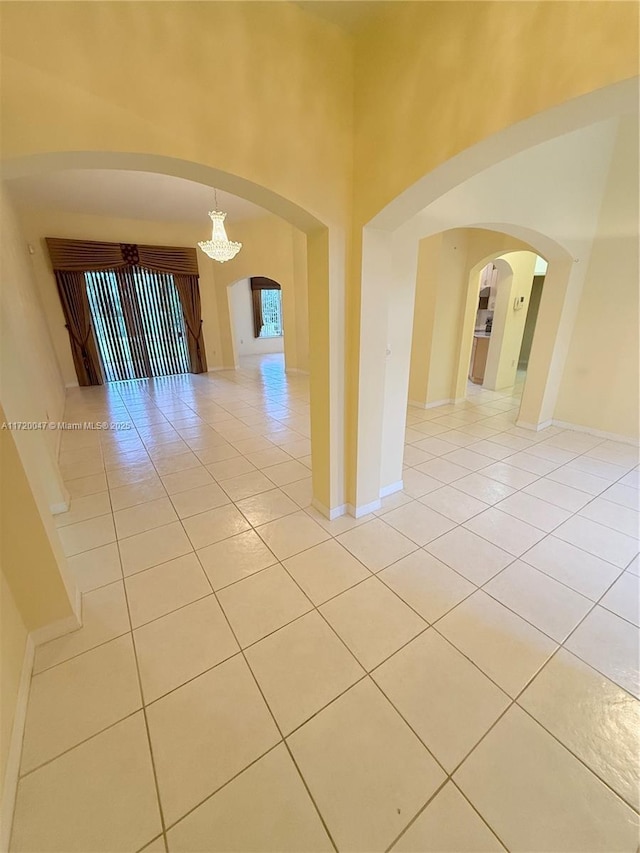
point(138, 323)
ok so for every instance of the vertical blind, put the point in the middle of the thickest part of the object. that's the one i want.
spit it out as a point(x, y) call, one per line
point(139, 324)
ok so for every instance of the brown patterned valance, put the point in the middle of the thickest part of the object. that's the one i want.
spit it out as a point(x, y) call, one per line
point(91, 256)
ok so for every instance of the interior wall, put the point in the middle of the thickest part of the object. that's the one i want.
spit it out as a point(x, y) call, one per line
point(600, 381)
point(515, 279)
point(241, 308)
point(272, 248)
point(532, 316)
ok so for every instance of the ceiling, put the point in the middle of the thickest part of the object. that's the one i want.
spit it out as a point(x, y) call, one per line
point(127, 195)
point(350, 15)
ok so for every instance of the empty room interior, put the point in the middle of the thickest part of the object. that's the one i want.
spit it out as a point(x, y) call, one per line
point(319, 426)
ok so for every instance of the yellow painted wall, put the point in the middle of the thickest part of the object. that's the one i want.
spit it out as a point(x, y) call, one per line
point(272, 248)
point(29, 562)
point(446, 302)
point(433, 78)
point(13, 640)
point(600, 383)
point(514, 281)
point(261, 90)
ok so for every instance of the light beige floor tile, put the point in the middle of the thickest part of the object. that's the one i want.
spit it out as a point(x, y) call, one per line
point(583, 572)
point(235, 558)
point(448, 825)
point(610, 645)
point(85, 535)
point(470, 555)
point(372, 621)
point(262, 603)
point(86, 485)
point(96, 568)
point(157, 591)
point(453, 504)
point(620, 518)
point(266, 808)
point(292, 534)
point(78, 698)
point(153, 547)
point(343, 522)
point(183, 481)
point(426, 584)
point(206, 732)
point(519, 773)
point(177, 647)
point(623, 495)
point(558, 494)
point(413, 456)
point(216, 453)
point(539, 513)
point(212, 526)
point(616, 548)
point(124, 497)
point(445, 699)
point(376, 544)
point(265, 458)
point(301, 668)
point(227, 468)
point(267, 506)
point(301, 491)
point(605, 470)
point(286, 472)
point(83, 508)
point(416, 484)
point(104, 617)
point(418, 523)
point(505, 531)
point(146, 516)
point(504, 646)
point(366, 770)
point(76, 470)
point(325, 570)
point(130, 474)
point(483, 488)
point(550, 606)
point(63, 805)
point(156, 846)
point(246, 485)
point(623, 598)
point(592, 717)
point(442, 470)
point(579, 480)
point(201, 499)
point(178, 462)
point(389, 502)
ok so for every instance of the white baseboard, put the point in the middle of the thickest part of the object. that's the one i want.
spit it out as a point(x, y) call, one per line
point(363, 509)
point(534, 427)
point(433, 405)
point(12, 771)
point(385, 491)
point(59, 508)
point(598, 433)
point(55, 630)
point(331, 514)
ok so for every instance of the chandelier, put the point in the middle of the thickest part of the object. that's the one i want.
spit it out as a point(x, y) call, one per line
point(219, 247)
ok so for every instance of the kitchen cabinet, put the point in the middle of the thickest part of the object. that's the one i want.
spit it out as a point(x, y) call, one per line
point(479, 354)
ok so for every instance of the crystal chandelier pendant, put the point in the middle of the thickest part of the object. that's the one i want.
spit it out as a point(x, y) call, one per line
point(219, 247)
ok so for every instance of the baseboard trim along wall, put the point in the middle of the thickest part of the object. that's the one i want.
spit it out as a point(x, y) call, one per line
point(12, 772)
point(331, 514)
point(434, 405)
point(598, 433)
point(385, 491)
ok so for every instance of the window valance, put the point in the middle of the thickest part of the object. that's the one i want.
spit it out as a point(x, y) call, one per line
point(92, 256)
point(261, 282)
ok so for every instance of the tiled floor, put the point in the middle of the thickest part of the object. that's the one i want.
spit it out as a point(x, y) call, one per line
point(457, 672)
